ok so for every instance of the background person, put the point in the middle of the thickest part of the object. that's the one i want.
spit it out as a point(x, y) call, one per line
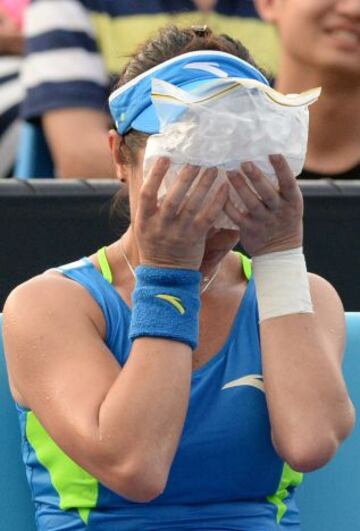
point(11, 50)
point(165, 388)
point(320, 46)
point(74, 47)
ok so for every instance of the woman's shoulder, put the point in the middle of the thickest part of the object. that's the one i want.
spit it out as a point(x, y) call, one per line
point(322, 289)
point(51, 294)
point(49, 321)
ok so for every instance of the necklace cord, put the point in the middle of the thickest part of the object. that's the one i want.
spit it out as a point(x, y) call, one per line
point(202, 290)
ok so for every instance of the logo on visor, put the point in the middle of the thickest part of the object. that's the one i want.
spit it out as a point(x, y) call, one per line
point(213, 68)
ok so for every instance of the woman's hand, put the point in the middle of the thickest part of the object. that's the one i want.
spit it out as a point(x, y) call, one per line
point(272, 220)
point(172, 233)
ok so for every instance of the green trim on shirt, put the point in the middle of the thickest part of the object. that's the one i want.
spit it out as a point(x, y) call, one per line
point(76, 488)
point(289, 478)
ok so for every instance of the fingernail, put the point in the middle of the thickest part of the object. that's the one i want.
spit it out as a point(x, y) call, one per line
point(247, 167)
point(192, 169)
point(276, 159)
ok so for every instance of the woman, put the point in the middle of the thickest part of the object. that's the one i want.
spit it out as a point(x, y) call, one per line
point(320, 46)
point(151, 406)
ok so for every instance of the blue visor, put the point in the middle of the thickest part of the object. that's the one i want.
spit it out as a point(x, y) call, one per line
point(131, 105)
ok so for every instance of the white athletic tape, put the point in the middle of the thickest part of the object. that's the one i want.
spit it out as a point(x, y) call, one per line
point(282, 284)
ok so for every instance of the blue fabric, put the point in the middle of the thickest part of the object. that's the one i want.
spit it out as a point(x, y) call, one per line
point(34, 160)
point(131, 105)
point(61, 39)
point(154, 315)
point(238, 8)
point(63, 95)
point(225, 465)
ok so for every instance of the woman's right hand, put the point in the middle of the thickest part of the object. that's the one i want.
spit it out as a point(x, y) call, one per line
point(172, 233)
point(272, 219)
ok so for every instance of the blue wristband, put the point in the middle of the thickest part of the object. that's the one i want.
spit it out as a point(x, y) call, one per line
point(166, 303)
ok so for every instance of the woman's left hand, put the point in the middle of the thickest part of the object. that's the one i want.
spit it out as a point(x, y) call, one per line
point(272, 219)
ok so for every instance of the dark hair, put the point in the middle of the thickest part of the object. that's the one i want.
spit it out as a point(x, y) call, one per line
point(170, 42)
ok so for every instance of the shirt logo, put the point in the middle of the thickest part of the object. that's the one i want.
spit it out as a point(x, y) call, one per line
point(251, 380)
point(174, 301)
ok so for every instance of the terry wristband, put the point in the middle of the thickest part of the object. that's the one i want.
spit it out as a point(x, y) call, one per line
point(282, 284)
point(166, 303)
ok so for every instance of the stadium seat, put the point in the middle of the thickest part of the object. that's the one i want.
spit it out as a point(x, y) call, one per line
point(16, 509)
point(328, 499)
point(33, 158)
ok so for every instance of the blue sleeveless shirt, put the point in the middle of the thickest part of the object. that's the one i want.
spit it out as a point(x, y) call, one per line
point(226, 474)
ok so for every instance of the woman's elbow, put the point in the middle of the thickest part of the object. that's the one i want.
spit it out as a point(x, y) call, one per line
point(308, 458)
point(139, 483)
point(307, 455)
point(309, 450)
point(347, 422)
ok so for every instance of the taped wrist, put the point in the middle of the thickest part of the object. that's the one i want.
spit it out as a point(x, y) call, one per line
point(166, 303)
point(282, 284)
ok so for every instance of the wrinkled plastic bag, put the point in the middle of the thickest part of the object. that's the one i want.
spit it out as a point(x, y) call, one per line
point(226, 122)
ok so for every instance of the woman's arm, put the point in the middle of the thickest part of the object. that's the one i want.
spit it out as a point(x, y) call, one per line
point(309, 407)
point(122, 425)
